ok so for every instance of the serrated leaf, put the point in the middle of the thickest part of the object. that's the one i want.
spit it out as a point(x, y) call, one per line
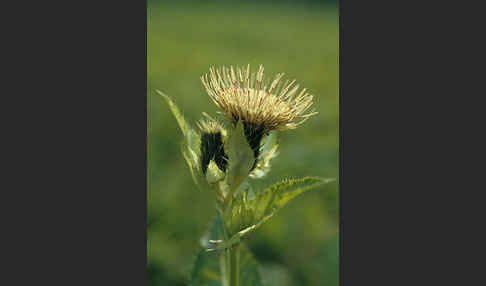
point(290, 188)
point(266, 204)
point(206, 270)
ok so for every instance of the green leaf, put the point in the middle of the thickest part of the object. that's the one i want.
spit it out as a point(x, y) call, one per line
point(176, 112)
point(268, 152)
point(213, 173)
point(238, 215)
point(206, 270)
point(190, 135)
point(240, 158)
point(190, 145)
point(289, 189)
point(265, 205)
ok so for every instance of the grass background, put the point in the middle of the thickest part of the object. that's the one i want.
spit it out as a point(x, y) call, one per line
point(299, 246)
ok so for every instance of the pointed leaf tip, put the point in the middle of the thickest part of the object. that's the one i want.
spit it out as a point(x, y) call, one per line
point(175, 111)
point(161, 93)
point(190, 146)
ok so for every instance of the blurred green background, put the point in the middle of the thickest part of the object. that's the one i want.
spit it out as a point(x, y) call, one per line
point(299, 246)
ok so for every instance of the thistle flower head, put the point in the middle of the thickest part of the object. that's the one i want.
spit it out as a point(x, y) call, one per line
point(243, 95)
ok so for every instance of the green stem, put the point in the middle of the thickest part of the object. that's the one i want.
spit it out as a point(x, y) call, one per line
point(223, 263)
point(234, 268)
point(230, 261)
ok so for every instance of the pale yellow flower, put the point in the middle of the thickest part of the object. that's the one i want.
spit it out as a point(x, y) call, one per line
point(244, 95)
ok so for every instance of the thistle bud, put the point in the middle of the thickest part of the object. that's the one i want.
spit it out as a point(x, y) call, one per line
point(212, 148)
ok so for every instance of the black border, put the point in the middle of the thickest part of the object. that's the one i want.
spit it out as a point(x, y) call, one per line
point(77, 151)
point(402, 131)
